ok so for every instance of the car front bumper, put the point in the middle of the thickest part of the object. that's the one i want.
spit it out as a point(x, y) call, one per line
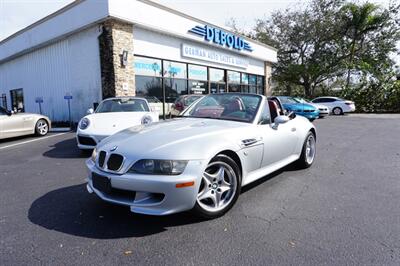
point(88, 142)
point(151, 194)
point(309, 115)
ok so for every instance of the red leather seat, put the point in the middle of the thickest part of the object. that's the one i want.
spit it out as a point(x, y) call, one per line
point(273, 108)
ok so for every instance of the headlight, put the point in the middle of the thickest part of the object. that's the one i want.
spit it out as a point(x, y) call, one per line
point(146, 120)
point(94, 155)
point(159, 167)
point(84, 123)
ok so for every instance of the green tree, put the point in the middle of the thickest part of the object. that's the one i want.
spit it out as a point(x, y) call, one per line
point(328, 41)
point(364, 26)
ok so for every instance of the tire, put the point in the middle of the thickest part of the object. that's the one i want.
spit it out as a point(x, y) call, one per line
point(218, 193)
point(305, 161)
point(41, 128)
point(337, 111)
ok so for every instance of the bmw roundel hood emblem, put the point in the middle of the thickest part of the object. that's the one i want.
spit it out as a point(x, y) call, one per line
point(114, 148)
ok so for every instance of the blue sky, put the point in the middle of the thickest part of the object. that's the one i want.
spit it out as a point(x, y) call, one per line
point(17, 14)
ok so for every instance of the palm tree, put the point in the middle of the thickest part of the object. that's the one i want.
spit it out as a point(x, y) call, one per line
point(359, 21)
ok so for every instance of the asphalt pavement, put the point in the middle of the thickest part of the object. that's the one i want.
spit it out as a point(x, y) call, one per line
point(344, 210)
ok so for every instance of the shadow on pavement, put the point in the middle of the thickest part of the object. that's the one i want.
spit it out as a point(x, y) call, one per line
point(288, 168)
point(66, 149)
point(71, 210)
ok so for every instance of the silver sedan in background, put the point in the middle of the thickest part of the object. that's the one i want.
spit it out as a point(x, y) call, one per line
point(201, 160)
point(20, 124)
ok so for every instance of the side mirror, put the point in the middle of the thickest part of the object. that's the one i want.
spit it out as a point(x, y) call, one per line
point(90, 111)
point(280, 119)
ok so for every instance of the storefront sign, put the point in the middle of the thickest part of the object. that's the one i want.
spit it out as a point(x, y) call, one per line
point(221, 37)
point(213, 56)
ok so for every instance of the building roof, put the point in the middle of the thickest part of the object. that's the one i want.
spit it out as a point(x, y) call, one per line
point(82, 14)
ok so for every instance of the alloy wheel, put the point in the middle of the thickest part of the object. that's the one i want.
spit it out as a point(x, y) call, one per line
point(42, 127)
point(310, 149)
point(218, 187)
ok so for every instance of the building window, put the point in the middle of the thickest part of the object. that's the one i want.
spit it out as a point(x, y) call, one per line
point(244, 84)
point(217, 80)
point(175, 80)
point(148, 86)
point(260, 85)
point(17, 100)
point(198, 79)
point(233, 81)
point(147, 67)
point(3, 100)
point(252, 84)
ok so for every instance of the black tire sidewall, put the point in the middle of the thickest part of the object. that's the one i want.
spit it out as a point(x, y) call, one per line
point(199, 211)
point(37, 132)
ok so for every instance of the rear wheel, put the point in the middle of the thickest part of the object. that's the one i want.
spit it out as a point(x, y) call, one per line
point(219, 188)
point(337, 111)
point(41, 128)
point(308, 152)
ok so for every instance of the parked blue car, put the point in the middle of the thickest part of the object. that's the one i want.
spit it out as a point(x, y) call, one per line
point(303, 109)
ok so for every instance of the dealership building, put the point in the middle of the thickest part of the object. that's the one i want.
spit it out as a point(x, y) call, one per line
point(94, 49)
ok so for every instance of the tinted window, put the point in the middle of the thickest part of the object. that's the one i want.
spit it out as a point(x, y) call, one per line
point(17, 100)
point(198, 87)
point(174, 88)
point(148, 86)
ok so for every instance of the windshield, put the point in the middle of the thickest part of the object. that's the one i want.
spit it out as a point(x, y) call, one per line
point(228, 106)
point(122, 105)
point(301, 100)
point(190, 99)
point(287, 100)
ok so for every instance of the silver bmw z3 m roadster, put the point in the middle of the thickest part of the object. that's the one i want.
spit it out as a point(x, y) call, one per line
point(200, 160)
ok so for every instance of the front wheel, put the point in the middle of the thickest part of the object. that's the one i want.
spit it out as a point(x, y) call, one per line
point(219, 188)
point(41, 128)
point(337, 111)
point(308, 152)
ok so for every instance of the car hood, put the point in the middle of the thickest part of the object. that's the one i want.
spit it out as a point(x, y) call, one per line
point(299, 106)
point(106, 124)
point(180, 138)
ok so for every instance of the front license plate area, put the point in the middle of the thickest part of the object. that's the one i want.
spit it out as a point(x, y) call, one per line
point(101, 183)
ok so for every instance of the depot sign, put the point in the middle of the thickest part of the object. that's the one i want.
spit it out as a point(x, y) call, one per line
point(221, 37)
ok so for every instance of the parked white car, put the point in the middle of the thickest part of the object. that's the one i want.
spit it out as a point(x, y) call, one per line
point(113, 115)
point(201, 160)
point(336, 105)
point(323, 109)
point(20, 124)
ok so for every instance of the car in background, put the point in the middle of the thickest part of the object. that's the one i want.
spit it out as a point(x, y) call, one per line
point(113, 115)
point(323, 110)
point(157, 105)
point(201, 160)
point(336, 105)
point(20, 124)
point(303, 109)
point(182, 102)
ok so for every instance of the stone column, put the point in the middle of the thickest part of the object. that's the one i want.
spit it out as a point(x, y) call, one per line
point(116, 79)
point(267, 81)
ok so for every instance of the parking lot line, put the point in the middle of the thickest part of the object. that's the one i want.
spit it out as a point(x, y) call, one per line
point(32, 140)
